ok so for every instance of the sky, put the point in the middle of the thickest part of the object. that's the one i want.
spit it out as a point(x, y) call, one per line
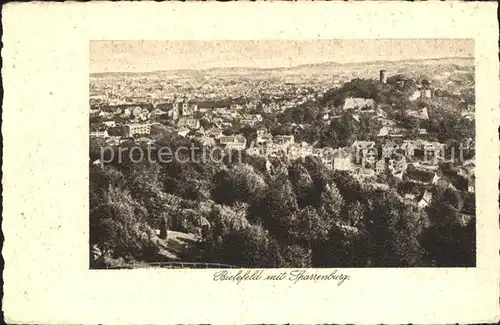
point(142, 56)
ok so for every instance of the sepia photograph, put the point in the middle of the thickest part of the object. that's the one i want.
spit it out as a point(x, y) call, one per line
point(250, 162)
point(319, 153)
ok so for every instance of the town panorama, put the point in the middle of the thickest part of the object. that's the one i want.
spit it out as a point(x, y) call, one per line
point(321, 165)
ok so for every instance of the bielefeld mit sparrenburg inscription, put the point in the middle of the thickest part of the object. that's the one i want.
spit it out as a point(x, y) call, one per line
point(293, 276)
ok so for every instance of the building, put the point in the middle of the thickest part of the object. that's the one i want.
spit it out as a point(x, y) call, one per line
point(423, 93)
point(380, 166)
point(422, 113)
point(188, 109)
point(183, 131)
point(248, 122)
point(183, 109)
point(342, 163)
point(419, 176)
point(422, 131)
point(190, 123)
point(426, 199)
point(383, 76)
point(130, 130)
point(207, 141)
point(397, 165)
point(361, 104)
point(390, 132)
point(109, 124)
point(284, 140)
point(214, 133)
point(296, 151)
point(360, 145)
point(434, 150)
point(99, 134)
point(233, 142)
point(389, 149)
point(263, 136)
point(156, 112)
point(363, 151)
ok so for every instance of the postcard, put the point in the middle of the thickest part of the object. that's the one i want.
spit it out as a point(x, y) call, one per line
point(250, 163)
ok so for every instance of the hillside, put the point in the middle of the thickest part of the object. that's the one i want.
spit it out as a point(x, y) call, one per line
point(318, 68)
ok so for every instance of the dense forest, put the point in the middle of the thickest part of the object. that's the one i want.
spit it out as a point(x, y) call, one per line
point(295, 214)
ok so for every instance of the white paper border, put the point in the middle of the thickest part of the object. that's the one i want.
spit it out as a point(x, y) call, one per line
point(45, 130)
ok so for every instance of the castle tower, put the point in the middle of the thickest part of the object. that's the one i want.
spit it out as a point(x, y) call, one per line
point(175, 110)
point(383, 76)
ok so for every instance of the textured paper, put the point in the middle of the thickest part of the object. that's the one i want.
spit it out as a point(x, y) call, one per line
point(45, 171)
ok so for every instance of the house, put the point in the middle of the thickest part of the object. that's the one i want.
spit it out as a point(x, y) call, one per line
point(105, 114)
point(94, 112)
point(254, 117)
point(233, 142)
point(214, 133)
point(99, 134)
point(156, 112)
point(342, 163)
point(409, 147)
point(283, 140)
point(390, 132)
point(263, 136)
point(364, 152)
point(109, 124)
point(434, 150)
point(217, 121)
point(299, 150)
point(422, 94)
point(426, 199)
point(248, 122)
point(468, 115)
point(472, 186)
point(422, 113)
point(361, 145)
point(188, 109)
point(422, 131)
point(126, 113)
point(360, 104)
point(398, 164)
point(132, 129)
point(389, 149)
point(207, 141)
point(183, 131)
point(380, 166)
point(136, 111)
point(418, 176)
point(398, 174)
point(190, 123)
point(416, 95)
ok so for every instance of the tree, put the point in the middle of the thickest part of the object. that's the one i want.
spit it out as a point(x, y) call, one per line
point(451, 245)
point(307, 227)
point(250, 247)
point(118, 225)
point(240, 183)
point(276, 208)
point(394, 229)
point(302, 183)
point(448, 241)
point(332, 201)
point(295, 256)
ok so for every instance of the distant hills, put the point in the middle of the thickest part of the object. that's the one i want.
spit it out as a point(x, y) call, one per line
point(308, 68)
